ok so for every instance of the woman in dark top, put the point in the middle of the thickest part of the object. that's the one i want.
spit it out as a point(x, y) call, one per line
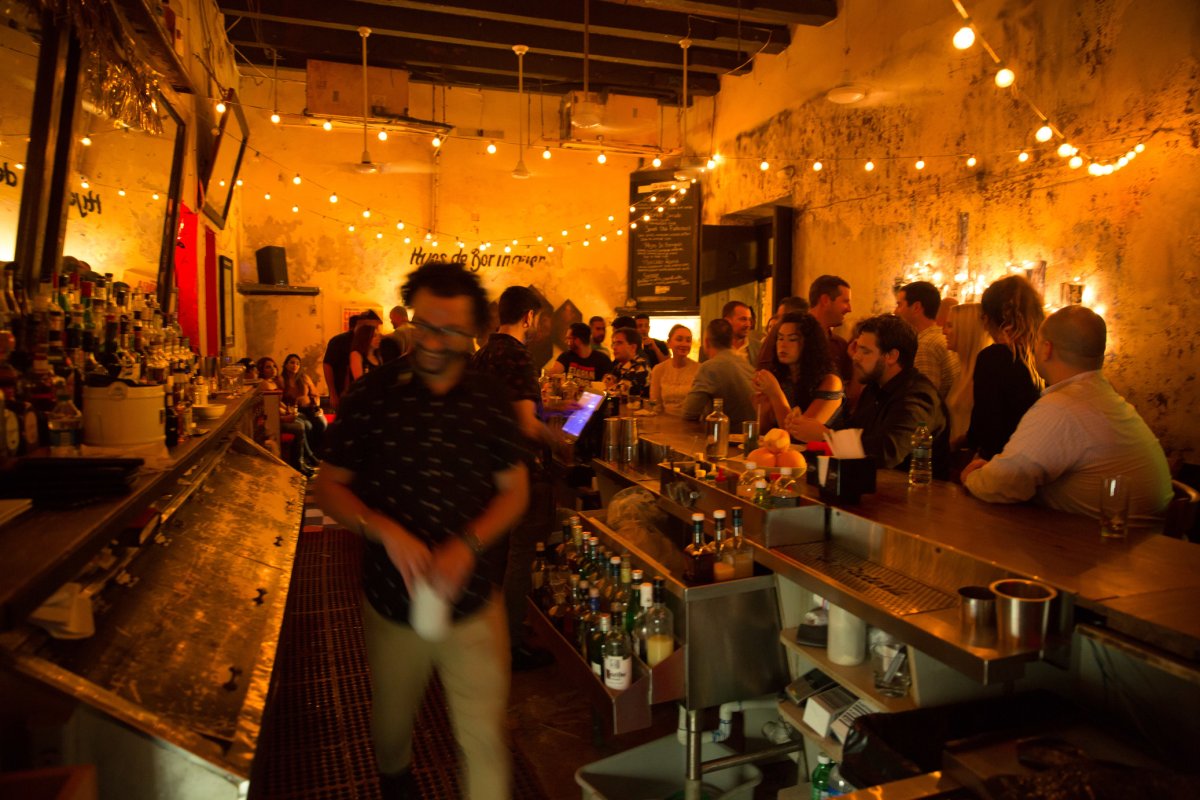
point(300, 392)
point(301, 455)
point(1006, 380)
point(364, 355)
point(799, 373)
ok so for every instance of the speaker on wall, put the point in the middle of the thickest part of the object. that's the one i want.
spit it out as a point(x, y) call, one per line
point(272, 265)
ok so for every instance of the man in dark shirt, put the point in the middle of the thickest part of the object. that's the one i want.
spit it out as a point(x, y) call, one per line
point(653, 351)
point(628, 364)
point(895, 398)
point(426, 465)
point(336, 363)
point(506, 360)
point(580, 361)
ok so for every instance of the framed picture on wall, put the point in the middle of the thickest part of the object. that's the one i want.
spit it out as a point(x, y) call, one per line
point(228, 320)
point(354, 311)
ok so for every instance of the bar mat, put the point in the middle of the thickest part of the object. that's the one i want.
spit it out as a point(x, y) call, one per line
point(316, 741)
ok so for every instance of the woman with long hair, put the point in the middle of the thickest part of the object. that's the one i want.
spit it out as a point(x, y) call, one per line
point(966, 336)
point(799, 373)
point(364, 352)
point(301, 456)
point(300, 392)
point(1005, 376)
point(671, 380)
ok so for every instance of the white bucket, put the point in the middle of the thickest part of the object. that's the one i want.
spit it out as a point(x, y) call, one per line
point(120, 415)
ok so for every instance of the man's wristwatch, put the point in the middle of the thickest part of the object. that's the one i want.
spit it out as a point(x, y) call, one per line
point(472, 541)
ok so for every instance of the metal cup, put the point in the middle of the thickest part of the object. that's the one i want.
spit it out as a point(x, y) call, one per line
point(612, 438)
point(629, 440)
point(1022, 611)
point(977, 610)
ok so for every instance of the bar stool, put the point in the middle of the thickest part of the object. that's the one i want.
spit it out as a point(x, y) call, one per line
point(1180, 519)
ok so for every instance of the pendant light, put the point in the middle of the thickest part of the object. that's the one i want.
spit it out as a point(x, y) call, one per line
point(520, 171)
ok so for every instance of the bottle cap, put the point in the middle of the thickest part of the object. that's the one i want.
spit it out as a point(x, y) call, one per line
point(760, 484)
point(615, 560)
point(636, 575)
point(823, 759)
point(697, 518)
point(719, 514)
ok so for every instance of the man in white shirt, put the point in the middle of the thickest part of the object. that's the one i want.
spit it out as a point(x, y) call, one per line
point(741, 320)
point(917, 304)
point(1079, 432)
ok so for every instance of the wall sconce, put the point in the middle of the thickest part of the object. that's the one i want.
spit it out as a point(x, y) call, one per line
point(1070, 294)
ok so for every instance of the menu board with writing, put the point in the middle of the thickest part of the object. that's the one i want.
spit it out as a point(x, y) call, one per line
point(663, 249)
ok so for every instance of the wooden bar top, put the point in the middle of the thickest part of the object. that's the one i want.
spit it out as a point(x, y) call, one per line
point(43, 549)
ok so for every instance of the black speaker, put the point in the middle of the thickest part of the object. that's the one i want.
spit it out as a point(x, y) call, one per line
point(272, 265)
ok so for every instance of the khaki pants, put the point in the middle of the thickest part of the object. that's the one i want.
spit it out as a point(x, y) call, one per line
point(473, 663)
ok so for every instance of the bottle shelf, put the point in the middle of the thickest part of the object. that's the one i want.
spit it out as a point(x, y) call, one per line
point(858, 680)
point(794, 715)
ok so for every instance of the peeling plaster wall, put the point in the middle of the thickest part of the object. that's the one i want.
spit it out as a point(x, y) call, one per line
point(462, 191)
point(1108, 72)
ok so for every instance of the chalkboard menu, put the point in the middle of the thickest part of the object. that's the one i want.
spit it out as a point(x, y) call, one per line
point(663, 249)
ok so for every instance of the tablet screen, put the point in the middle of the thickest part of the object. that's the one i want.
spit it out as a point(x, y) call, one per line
point(588, 403)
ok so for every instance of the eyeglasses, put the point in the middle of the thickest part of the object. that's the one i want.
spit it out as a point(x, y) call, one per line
point(425, 329)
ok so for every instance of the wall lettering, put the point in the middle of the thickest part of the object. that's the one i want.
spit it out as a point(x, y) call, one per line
point(86, 204)
point(475, 260)
point(7, 176)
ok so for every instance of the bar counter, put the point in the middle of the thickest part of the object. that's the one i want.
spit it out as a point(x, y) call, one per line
point(42, 549)
point(1146, 586)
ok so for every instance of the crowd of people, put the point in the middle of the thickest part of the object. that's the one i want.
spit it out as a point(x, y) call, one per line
point(439, 449)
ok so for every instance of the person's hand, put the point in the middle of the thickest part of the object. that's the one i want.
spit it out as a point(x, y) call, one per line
point(451, 568)
point(806, 429)
point(408, 554)
point(969, 468)
point(766, 383)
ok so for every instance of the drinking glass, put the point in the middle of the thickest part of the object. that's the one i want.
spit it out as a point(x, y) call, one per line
point(1114, 507)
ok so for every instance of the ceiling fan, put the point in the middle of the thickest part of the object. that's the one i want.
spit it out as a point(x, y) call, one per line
point(366, 165)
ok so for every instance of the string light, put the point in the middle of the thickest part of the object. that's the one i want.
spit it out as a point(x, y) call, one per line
point(1066, 150)
point(383, 135)
point(620, 231)
point(586, 243)
point(549, 248)
point(603, 238)
point(920, 163)
point(1023, 156)
point(1139, 147)
point(379, 235)
point(546, 153)
point(121, 192)
point(434, 243)
point(1076, 162)
point(964, 37)
point(275, 118)
point(239, 182)
point(602, 159)
point(587, 227)
point(972, 161)
point(86, 141)
point(1005, 77)
point(491, 148)
point(220, 106)
point(818, 166)
point(20, 165)
point(428, 236)
point(633, 226)
point(1044, 134)
point(764, 165)
point(408, 240)
point(712, 162)
point(154, 196)
point(437, 141)
point(366, 213)
point(539, 238)
point(507, 249)
point(327, 125)
point(564, 233)
point(296, 180)
point(869, 166)
point(657, 162)
point(350, 228)
point(333, 198)
point(399, 226)
point(83, 183)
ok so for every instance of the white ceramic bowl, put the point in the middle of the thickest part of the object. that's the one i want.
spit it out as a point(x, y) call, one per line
point(211, 411)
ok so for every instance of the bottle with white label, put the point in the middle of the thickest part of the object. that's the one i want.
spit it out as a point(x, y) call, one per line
point(618, 659)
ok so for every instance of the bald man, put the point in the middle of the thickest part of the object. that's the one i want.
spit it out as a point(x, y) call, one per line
point(1079, 432)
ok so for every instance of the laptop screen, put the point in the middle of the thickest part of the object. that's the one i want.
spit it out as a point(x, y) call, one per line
point(588, 403)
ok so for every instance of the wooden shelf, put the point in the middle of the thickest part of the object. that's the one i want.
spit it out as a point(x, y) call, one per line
point(858, 680)
point(273, 288)
point(794, 715)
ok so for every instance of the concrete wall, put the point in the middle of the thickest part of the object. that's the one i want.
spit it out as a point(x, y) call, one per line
point(1110, 73)
point(459, 191)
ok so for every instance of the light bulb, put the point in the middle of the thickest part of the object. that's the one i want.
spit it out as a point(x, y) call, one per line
point(399, 226)
point(296, 180)
point(539, 238)
point(86, 141)
point(491, 148)
point(333, 197)
point(295, 209)
point(350, 228)
point(238, 182)
point(1005, 78)
point(546, 153)
point(121, 192)
point(657, 162)
point(461, 244)
point(383, 135)
point(620, 231)
point(434, 243)
point(267, 196)
point(964, 37)
point(564, 233)
point(83, 182)
point(659, 209)
point(586, 243)
point(379, 236)
point(972, 161)
point(327, 125)
point(155, 196)
point(645, 217)
point(1122, 161)
point(869, 166)
point(408, 240)
point(220, 107)
point(818, 166)
point(275, 117)
point(20, 165)
point(1076, 162)
point(632, 209)
point(1130, 154)
point(920, 163)
point(602, 158)
point(437, 141)
point(1066, 150)
point(633, 226)
point(428, 236)
point(764, 165)
point(1022, 156)
point(1044, 133)
point(221, 183)
point(1139, 147)
point(683, 191)
point(549, 248)
point(514, 241)
point(603, 238)
point(611, 218)
point(711, 163)
point(671, 201)
point(717, 158)
point(653, 198)
point(366, 213)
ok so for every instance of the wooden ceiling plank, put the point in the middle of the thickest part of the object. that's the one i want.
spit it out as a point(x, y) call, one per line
point(769, 12)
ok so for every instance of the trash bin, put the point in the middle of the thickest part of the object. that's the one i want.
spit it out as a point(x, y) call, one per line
point(655, 771)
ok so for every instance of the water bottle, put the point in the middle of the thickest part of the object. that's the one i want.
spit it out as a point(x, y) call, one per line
point(820, 778)
point(920, 466)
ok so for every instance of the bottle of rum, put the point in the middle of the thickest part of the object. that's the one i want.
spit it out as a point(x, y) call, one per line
point(698, 566)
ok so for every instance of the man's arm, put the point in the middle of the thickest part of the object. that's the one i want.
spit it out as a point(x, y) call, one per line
point(454, 559)
point(699, 400)
point(327, 370)
point(1045, 445)
point(407, 553)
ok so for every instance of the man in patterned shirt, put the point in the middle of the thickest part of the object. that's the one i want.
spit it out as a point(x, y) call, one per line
point(628, 363)
point(426, 464)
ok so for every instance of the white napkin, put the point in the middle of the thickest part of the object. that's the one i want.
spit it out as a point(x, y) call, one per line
point(846, 443)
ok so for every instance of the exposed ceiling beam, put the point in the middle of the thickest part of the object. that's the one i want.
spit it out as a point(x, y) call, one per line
point(453, 31)
point(769, 12)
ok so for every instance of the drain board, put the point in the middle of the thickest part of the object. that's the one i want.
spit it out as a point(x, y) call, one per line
point(886, 588)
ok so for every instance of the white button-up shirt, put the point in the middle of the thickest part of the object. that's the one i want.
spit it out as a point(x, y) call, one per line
point(1079, 432)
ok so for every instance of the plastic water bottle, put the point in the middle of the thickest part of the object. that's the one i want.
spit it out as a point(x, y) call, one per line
point(920, 467)
point(820, 778)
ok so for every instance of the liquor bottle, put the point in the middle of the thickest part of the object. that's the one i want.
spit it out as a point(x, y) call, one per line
point(575, 608)
point(539, 584)
point(761, 498)
point(659, 630)
point(785, 490)
point(10, 419)
point(698, 566)
point(64, 423)
point(557, 611)
point(737, 550)
point(172, 417)
point(820, 778)
point(632, 600)
point(722, 570)
point(618, 659)
point(716, 427)
point(183, 405)
point(595, 644)
point(920, 467)
point(745, 486)
point(612, 585)
point(588, 620)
